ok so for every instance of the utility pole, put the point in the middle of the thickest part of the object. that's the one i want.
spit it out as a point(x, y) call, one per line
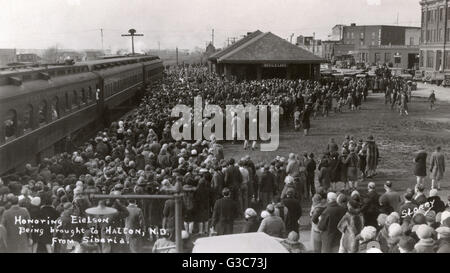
point(101, 34)
point(314, 42)
point(176, 52)
point(444, 59)
point(132, 35)
point(397, 18)
point(212, 37)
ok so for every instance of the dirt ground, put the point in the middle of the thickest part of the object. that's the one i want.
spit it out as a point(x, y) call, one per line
point(398, 138)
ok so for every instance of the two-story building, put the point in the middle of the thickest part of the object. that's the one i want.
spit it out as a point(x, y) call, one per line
point(434, 46)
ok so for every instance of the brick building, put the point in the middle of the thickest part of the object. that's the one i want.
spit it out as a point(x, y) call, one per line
point(397, 46)
point(434, 46)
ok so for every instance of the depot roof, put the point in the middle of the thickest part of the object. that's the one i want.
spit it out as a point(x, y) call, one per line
point(260, 47)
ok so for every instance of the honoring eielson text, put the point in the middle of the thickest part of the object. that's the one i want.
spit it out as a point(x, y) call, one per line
point(39, 226)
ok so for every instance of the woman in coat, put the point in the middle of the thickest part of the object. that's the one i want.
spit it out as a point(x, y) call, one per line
point(350, 226)
point(201, 206)
point(372, 156)
point(318, 206)
point(251, 221)
point(437, 168)
point(352, 168)
point(324, 175)
point(343, 166)
point(420, 167)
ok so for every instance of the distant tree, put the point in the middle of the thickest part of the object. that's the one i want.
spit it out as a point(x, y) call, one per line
point(50, 54)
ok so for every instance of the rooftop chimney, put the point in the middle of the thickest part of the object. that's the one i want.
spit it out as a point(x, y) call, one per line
point(353, 25)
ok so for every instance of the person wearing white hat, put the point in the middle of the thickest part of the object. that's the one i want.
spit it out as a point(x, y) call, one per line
point(328, 223)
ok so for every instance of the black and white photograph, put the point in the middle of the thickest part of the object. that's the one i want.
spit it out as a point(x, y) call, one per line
point(242, 127)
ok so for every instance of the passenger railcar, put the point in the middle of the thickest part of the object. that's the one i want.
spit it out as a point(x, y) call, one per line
point(40, 106)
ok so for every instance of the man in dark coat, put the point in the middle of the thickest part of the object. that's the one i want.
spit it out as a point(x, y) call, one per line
point(370, 207)
point(329, 220)
point(224, 213)
point(420, 167)
point(267, 186)
point(310, 165)
point(372, 156)
point(305, 117)
point(233, 179)
point(47, 212)
point(294, 211)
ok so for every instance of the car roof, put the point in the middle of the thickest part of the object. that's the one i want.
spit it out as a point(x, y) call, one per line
point(255, 242)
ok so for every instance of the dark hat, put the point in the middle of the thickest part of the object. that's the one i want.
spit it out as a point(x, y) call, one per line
point(388, 184)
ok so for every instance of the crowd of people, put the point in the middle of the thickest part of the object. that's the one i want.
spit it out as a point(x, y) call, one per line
point(138, 156)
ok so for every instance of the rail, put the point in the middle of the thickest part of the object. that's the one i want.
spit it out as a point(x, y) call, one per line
point(177, 196)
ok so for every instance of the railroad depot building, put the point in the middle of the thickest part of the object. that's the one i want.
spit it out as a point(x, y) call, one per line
point(263, 55)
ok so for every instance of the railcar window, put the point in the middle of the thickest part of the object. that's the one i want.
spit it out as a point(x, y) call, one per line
point(42, 112)
point(10, 123)
point(28, 118)
point(91, 94)
point(67, 101)
point(75, 99)
point(55, 108)
point(83, 96)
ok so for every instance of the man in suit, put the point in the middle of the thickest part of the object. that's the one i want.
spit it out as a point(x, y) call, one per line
point(134, 221)
point(233, 179)
point(370, 207)
point(225, 212)
point(267, 187)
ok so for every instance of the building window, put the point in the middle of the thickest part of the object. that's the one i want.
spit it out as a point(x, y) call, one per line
point(387, 57)
point(377, 58)
point(421, 57)
point(430, 59)
point(10, 123)
point(446, 57)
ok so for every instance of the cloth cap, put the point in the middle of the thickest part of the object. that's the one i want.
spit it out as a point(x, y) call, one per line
point(36, 201)
point(424, 231)
point(433, 192)
point(250, 213)
point(443, 231)
point(331, 196)
point(444, 216)
point(395, 230)
point(368, 233)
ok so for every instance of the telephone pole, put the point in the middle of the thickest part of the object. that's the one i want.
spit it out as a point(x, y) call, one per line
point(132, 35)
point(212, 37)
point(176, 51)
point(101, 34)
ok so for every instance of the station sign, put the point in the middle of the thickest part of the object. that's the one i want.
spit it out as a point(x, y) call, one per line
point(274, 65)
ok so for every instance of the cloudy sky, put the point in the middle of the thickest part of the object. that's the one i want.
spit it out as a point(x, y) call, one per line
point(184, 23)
